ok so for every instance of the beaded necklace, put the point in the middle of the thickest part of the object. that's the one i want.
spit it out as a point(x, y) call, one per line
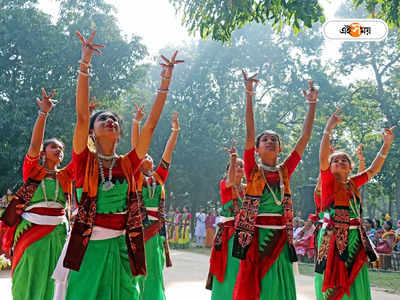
point(107, 185)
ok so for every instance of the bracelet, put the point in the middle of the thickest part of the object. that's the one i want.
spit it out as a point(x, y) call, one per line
point(382, 155)
point(328, 132)
point(165, 78)
point(136, 121)
point(84, 73)
point(89, 65)
point(250, 92)
point(312, 102)
point(177, 129)
point(43, 113)
point(163, 91)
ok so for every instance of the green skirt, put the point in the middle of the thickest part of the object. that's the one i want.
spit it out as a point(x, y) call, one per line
point(360, 289)
point(104, 274)
point(32, 276)
point(224, 290)
point(152, 284)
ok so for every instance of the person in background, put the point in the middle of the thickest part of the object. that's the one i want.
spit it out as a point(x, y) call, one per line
point(200, 230)
point(210, 228)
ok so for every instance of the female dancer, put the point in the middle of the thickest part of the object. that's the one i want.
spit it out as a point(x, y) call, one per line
point(343, 247)
point(264, 229)
point(105, 251)
point(35, 217)
point(150, 186)
point(223, 266)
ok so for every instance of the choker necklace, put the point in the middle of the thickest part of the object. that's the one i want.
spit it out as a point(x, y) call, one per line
point(269, 168)
point(107, 185)
point(106, 157)
point(152, 188)
point(52, 172)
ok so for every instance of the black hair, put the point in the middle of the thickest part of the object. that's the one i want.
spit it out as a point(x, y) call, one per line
point(378, 223)
point(94, 116)
point(370, 222)
point(52, 141)
point(388, 222)
point(267, 132)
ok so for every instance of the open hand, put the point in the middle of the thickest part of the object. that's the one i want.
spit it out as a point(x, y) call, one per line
point(334, 120)
point(139, 115)
point(168, 65)
point(93, 105)
point(312, 94)
point(175, 121)
point(388, 135)
point(249, 81)
point(231, 151)
point(47, 102)
point(88, 47)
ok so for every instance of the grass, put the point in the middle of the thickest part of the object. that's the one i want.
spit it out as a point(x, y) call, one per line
point(387, 281)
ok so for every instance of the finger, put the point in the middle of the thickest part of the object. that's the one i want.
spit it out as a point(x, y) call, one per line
point(136, 107)
point(253, 77)
point(256, 80)
point(90, 40)
point(97, 51)
point(244, 75)
point(44, 93)
point(174, 56)
point(98, 46)
point(393, 128)
point(336, 112)
point(53, 102)
point(304, 93)
point(38, 101)
point(165, 59)
point(310, 84)
point(179, 61)
point(80, 37)
point(52, 93)
point(142, 107)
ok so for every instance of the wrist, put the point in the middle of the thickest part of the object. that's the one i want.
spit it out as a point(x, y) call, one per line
point(43, 113)
point(136, 121)
point(175, 129)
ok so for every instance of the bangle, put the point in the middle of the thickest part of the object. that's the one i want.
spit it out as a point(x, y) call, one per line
point(382, 155)
point(165, 78)
point(312, 102)
point(328, 132)
point(250, 92)
point(84, 73)
point(136, 121)
point(163, 91)
point(177, 129)
point(89, 65)
point(43, 113)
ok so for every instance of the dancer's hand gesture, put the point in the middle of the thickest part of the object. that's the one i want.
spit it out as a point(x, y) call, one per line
point(139, 115)
point(359, 152)
point(93, 105)
point(47, 102)
point(334, 120)
point(88, 47)
point(388, 135)
point(175, 121)
point(168, 65)
point(232, 151)
point(312, 94)
point(331, 148)
point(249, 81)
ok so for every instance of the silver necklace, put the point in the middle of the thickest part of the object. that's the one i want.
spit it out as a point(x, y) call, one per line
point(45, 193)
point(107, 185)
point(106, 157)
point(51, 172)
point(152, 188)
point(278, 202)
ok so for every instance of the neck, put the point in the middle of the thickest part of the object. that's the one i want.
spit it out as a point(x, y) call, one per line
point(49, 165)
point(341, 177)
point(105, 148)
point(271, 162)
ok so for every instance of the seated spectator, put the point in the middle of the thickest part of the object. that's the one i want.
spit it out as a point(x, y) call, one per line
point(370, 231)
point(298, 225)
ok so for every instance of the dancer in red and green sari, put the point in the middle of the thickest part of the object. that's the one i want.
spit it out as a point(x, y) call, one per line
point(151, 190)
point(105, 252)
point(35, 218)
point(263, 238)
point(223, 266)
point(343, 246)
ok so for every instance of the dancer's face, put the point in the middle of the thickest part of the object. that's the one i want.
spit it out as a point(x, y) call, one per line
point(269, 147)
point(106, 126)
point(54, 152)
point(340, 165)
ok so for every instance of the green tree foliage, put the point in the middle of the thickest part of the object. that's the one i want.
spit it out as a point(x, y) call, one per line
point(219, 18)
point(36, 53)
point(387, 10)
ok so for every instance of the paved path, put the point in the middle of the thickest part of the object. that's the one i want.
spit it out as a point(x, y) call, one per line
point(186, 280)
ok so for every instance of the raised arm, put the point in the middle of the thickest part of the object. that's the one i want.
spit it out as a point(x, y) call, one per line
point(324, 150)
point(45, 107)
point(376, 166)
point(231, 178)
point(311, 97)
point(250, 128)
point(149, 126)
point(82, 93)
point(361, 159)
point(135, 131)
point(169, 148)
